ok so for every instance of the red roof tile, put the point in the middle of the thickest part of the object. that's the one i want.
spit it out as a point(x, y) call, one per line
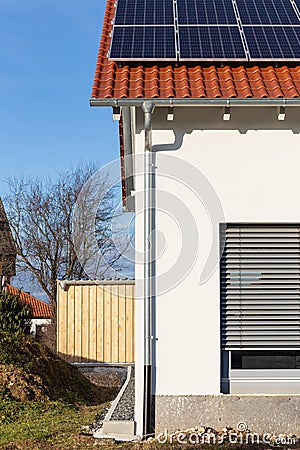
point(38, 308)
point(188, 80)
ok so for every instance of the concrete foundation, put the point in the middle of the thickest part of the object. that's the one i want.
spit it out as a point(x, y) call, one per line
point(262, 414)
point(118, 428)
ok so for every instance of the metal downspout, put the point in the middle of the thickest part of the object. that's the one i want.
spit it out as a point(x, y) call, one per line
point(149, 262)
point(128, 159)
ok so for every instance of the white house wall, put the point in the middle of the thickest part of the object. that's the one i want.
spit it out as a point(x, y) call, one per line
point(38, 322)
point(252, 162)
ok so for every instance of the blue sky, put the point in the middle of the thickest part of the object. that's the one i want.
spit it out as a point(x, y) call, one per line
point(48, 55)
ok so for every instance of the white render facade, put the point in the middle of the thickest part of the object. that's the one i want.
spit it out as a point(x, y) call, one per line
point(252, 163)
point(38, 322)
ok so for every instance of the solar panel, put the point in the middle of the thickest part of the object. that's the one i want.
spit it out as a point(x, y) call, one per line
point(150, 43)
point(278, 42)
point(267, 12)
point(211, 43)
point(297, 3)
point(198, 12)
point(206, 30)
point(145, 12)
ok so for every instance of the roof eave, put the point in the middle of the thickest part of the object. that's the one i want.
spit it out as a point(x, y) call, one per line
point(115, 102)
point(42, 317)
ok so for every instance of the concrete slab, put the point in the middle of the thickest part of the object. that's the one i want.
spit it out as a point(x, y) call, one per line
point(120, 428)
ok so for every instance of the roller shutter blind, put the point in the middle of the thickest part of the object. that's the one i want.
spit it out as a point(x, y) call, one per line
point(260, 287)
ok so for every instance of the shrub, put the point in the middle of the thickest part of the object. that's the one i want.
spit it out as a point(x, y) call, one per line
point(15, 316)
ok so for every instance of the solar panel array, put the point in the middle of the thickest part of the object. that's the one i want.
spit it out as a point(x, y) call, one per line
point(242, 30)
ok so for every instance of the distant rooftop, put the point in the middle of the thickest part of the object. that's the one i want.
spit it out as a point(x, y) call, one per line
point(38, 307)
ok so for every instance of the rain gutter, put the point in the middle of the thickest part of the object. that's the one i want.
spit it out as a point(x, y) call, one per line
point(159, 102)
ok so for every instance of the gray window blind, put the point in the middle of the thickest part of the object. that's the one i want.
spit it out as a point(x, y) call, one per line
point(260, 287)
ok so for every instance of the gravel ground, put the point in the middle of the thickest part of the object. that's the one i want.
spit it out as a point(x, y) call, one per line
point(125, 407)
point(98, 422)
point(111, 377)
point(89, 430)
point(105, 376)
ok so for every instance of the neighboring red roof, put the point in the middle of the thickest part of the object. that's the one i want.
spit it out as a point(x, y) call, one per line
point(38, 307)
point(190, 80)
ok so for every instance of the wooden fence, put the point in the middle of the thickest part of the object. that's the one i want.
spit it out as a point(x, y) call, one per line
point(95, 322)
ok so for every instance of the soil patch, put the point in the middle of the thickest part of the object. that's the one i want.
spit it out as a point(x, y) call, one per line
point(29, 371)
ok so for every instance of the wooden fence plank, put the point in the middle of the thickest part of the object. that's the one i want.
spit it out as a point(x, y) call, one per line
point(78, 323)
point(115, 323)
point(122, 324)
point(129, 325)
point(85, 332)
point(93, 323)
point(71, 323)
point(107, 331)
point(62, 323)
point(100, 324)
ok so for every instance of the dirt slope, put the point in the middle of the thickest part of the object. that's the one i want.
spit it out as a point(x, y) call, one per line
point(29, 371)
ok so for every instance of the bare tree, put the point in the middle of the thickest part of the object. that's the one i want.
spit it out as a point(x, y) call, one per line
point(41, 216)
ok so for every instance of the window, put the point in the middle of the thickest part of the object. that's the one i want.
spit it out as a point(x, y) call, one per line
point(260, 300)
point(41, 331)
point(265, 360)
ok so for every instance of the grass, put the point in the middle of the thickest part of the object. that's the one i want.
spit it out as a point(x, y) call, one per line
point(44, 425)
